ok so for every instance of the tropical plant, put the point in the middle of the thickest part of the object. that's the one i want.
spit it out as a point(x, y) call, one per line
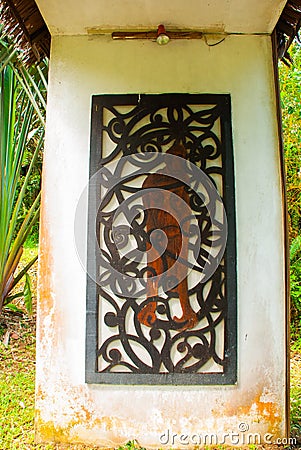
point(290, 85)
point(22, 122)
point(295, 260)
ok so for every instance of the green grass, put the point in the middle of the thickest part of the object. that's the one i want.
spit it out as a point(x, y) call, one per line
point(17, 372)
point(16, 409)
point(296, 410)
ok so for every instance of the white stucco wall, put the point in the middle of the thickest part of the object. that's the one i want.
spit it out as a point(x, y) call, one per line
point(68, 409)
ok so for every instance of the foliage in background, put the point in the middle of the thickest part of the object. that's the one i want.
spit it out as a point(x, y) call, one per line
point(295, 260)
point(22, 122)
point(290, 86)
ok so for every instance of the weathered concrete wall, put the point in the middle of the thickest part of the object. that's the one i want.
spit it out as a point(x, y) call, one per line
point(70, 410)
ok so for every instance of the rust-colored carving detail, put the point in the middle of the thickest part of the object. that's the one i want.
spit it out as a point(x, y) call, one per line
point(177, 241)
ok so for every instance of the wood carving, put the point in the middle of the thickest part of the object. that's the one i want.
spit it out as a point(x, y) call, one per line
point(167, 219)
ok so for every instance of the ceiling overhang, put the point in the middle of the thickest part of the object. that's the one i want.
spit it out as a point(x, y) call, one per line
point(225, 16)
point(29, 21)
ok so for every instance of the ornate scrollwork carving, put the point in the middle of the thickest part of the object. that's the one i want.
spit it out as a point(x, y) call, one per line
point(161, 230)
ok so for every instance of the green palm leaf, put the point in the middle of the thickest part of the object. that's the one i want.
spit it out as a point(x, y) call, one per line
point(22, 121)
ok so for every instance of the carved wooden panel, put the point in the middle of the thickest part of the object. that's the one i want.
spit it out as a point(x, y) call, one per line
point(161, 290)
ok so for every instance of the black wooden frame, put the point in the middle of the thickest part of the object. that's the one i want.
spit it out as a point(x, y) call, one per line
point(229, 376)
